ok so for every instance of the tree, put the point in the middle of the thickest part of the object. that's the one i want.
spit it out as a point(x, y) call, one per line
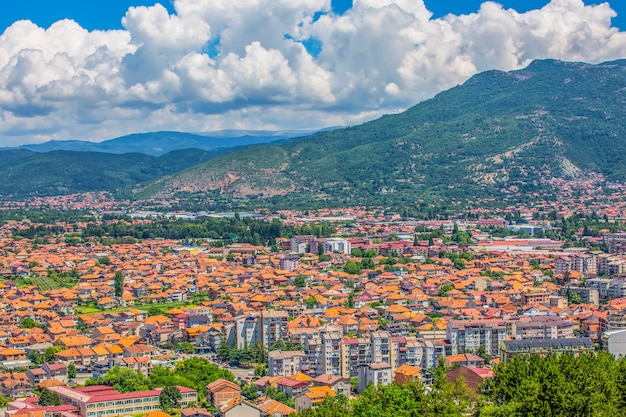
point(367, 263)
point(310, 302)
point(259, 354)
point(118, 284)
point(223, 350)
point(50, 354)
point(444, 289)
point(104, 260)
point(352, 267)
point(124, 380)
point(299, 281)
point(71, 370)
point(35, 357)
point(48, 398)
point(250, 392)
point(186, 347)
point(350, 301)
point(169, 398)
point(28, 323)
point(154, 311)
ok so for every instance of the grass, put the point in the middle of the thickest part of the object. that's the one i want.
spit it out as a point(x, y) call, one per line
point(86, 310)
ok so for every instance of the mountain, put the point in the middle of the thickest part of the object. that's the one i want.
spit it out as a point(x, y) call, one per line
point(160, 143)
point(24, 172)
point(498, 134)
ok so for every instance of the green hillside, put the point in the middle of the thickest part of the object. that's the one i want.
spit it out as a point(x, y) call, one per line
point(497, 134)
point(25, 172)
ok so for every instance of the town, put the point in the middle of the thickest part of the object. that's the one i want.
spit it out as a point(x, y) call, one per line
point(359, 297)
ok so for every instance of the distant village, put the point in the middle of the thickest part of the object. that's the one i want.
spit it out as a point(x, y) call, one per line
point(329, 323)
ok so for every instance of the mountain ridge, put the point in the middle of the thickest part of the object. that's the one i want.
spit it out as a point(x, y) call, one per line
point(496, 134)
point(161, 142)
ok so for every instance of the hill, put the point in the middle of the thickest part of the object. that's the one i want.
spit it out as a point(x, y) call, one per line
point(24, 172)
point(498, 134)
point(160, 143)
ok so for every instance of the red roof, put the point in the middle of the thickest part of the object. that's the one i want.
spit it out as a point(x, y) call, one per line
point(288, 382)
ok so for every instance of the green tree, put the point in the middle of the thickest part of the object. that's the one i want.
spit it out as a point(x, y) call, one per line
point(250, 392)
point(124, 380)
point(185, 347)
point(104, 260)
point(350, 301)
point(169, 398)
point(299, 281)
point(154, 311)
point(352, 267)
point(48, 398)
point(50, 354)
point(557, 385)
point(444, 289)
point(71, 370)
point(223, 350)
point(118, 284)
point(310, 302)
point(28, 323)
point(367, 263)
point(35, 357)
point(356, 252)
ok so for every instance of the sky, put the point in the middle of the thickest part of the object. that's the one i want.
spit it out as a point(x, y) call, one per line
point(71, 69)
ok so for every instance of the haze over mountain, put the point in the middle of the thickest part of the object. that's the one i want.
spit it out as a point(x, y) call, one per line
point(500, 132)
point(160, 143)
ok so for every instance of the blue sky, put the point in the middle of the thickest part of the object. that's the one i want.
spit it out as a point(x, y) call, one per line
point(102, 15)
point(98, 69)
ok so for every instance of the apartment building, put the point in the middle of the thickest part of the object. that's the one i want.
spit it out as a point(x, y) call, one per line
point(330, 354)
point(530, 296)
point(616, 243)
point(542, 327)
point(374, 373)
point(301, 244)
point(334, 244)
point(247, 329)
point(617, 288)
point(274, 327)
point(599, 284)
point(285, 362)
point(584, 263)
point(102, 400)
point(470, 335)
point(587, 295)
point(380, 347)
point(614, 320)
point(544, 347)
point(355, 352)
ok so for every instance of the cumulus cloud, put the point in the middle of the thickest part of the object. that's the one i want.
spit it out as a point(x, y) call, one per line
point(229, 64)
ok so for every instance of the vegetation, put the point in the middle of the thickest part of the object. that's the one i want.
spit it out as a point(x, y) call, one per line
point(195, 373)
point(66, 172)
point(528, 386)
point(48, 398)
point(499, 134)
point(169, 398)
point(498, 131)
point(254, 354)
point(236, 229)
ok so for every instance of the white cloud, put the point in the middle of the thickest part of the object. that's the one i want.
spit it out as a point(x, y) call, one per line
point(222, 63)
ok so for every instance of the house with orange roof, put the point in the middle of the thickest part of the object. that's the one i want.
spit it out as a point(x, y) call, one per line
point(313, 397)
point(407, 373)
